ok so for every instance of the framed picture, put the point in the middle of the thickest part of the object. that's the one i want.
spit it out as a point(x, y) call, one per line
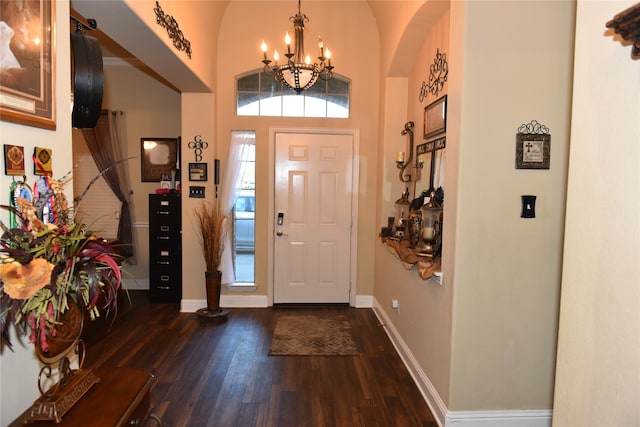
point(159, 158)
point(13, 160)
point(42, 160)
point(197, 171)
point(533, 151)
point(27, 75)
point(435, 117)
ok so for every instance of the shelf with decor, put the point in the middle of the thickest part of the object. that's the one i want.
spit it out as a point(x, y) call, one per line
point(427, 266)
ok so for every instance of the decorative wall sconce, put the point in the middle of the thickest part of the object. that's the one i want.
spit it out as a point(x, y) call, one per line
point(403, 163)
point(627, 24)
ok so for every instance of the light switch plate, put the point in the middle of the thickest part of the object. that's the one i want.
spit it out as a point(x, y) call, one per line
point(528, 207)
point(196, 192)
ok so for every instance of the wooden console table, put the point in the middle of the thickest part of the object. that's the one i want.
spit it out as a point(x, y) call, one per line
point(121, 398)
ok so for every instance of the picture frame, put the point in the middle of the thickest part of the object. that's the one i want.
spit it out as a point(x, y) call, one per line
point(197, 171)
point(159, 158)
point(27, 84)
point(14, 162)
point(435, 117)
point(533, 151)
point(42, 161)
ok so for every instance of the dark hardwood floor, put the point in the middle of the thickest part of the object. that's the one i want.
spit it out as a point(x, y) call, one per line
point(219, 373)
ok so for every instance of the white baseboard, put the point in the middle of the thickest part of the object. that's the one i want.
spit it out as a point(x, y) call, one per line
point(444, 417)
point(364, 301)
point(226, 301)
point(524, 418)
point(428, 391)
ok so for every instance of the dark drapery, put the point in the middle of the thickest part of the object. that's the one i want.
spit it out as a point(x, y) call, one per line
point(104, 142)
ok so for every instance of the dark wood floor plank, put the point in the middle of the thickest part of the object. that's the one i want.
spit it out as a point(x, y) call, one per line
point(220, 374)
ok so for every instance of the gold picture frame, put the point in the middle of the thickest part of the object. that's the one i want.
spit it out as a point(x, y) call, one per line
point(27, 79)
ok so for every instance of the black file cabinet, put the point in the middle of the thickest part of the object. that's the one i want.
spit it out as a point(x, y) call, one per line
point(165, 248)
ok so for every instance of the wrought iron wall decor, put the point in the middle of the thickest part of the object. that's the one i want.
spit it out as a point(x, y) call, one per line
point(438, 72)
point(169, 23)
point(533, 146)
point(197, 145)
point(627, 24)
point(401, 163)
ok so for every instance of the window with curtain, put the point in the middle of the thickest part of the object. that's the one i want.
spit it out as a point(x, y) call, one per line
point(238, 202)
point(100, 208)
point(244, 219)
point(260, 95)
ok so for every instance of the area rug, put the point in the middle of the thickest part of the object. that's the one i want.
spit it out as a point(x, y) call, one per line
point(309, 335)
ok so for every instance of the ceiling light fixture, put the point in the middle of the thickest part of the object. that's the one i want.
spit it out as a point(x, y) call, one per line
point(298, 72)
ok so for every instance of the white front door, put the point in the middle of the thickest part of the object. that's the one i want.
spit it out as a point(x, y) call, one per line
point(313, 217)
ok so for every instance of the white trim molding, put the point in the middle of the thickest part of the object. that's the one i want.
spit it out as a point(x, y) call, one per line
point(524, 418)
point(428, 391)
point(364, 301)
point(444, 417)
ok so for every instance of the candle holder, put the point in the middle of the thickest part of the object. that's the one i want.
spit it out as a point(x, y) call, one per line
point(432, 227)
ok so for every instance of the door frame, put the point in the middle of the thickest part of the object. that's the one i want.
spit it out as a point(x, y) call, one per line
point(355, 186)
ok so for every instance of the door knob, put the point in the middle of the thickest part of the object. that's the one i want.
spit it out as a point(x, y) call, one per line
point(280, 233)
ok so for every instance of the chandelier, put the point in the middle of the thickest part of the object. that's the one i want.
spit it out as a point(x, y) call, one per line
point(298, 72)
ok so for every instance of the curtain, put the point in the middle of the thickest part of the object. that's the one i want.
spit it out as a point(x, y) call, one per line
point(104, 142)
point(239, 151)
point(438, 173)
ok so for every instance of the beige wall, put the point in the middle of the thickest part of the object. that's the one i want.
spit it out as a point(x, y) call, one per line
point(197, 119)
point(507, 269)
point(422, 302)
point(19, 369)
point(486, 339)
point(348, 45)
point(599, 342)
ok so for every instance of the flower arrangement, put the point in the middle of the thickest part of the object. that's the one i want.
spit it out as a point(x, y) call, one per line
point(211, 231)
point(47, 267)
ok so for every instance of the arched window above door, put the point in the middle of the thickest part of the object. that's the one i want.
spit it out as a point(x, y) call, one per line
point(258, 94)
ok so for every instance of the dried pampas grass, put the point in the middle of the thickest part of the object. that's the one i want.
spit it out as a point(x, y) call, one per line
point(210, 219)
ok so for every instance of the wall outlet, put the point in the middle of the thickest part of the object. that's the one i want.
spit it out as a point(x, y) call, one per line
point(395, 304)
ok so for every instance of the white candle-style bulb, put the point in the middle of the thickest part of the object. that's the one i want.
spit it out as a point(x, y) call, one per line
point(263, 46)
point(320, 43)
point(327, 54)
point(307, 59)
point(287, 40)
point(276, 56)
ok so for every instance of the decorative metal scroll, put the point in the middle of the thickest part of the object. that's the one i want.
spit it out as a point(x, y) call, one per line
point(533, 146)
point(438, 72)
point(627, 24)
point(533, 127)
point(169, 23)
